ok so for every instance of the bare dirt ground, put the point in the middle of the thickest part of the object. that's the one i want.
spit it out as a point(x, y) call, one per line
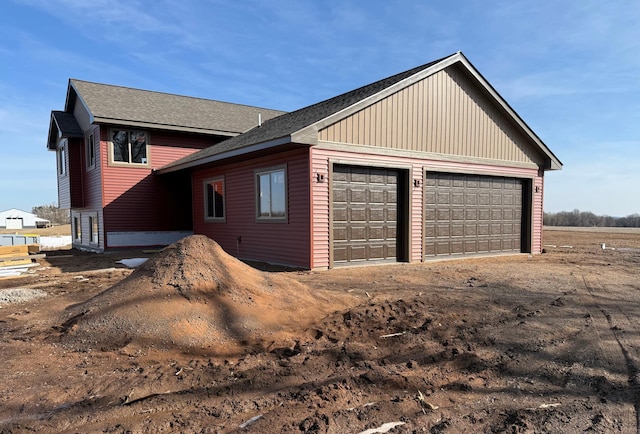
point(194, 342)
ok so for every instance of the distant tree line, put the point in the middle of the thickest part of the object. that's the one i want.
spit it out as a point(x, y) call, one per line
point(586, 219)
point(52, 213)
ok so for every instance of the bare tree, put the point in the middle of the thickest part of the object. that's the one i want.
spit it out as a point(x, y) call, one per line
point(52, 213)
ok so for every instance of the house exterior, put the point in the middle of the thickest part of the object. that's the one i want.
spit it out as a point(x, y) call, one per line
point(17, 219)
point(428, 163)
point(110, 141)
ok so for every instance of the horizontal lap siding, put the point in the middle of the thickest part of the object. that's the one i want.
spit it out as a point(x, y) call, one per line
point(93, 176)
point(321, 198)
point(321, 158)
point(134, 197)
point(242, 235)
point(320, 209)
point(538, 212)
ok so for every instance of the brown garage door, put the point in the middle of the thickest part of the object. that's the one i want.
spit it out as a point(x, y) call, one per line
point(365, 214)
point(467, 214)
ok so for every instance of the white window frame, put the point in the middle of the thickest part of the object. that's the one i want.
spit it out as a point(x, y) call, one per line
point(210, 214)
point(263, 215)
point(114, 162)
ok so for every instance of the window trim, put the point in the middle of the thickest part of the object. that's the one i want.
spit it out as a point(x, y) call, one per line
point(256, 176)
point(93, 221)
point(205, 184)
point(77, 228)
point(90, 150)
point(113, 162)
point(62, 157)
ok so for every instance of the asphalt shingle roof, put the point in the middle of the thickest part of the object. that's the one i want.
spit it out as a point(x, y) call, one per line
point(109, 103)
point(289, 123)
point(67, 124)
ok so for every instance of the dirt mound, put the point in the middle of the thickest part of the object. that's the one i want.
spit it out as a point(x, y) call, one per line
point(193, 296)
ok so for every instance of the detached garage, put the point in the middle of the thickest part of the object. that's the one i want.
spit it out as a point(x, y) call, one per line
point(428, 163)
point(17, 219)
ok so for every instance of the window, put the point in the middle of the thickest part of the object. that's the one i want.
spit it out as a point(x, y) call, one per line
point(129, 147)
point(214, 199)
point(91, 152)
point(62, 157)
point(76, 228)
point(93, 224)
point(272, 194)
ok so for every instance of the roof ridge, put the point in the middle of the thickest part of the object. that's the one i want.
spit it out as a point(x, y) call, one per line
point(171, 94)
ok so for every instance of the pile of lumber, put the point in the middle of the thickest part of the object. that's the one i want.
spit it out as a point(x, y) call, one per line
point(15, 260)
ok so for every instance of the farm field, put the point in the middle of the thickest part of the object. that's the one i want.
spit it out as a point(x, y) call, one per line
point(195, 341)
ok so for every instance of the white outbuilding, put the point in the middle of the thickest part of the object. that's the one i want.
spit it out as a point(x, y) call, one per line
point(17, 219)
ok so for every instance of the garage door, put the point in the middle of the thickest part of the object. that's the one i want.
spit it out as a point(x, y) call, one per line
point(468, 214)
point(14, 223)
point(365, 214)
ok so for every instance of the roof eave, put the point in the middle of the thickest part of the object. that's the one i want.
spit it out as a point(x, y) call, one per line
point(309, 134)
point(553, 163)
point(224, 155)
point(157, 126)
point(74, 96)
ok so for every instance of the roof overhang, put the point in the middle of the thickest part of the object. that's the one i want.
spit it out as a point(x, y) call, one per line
point(309, 134)
point(157, 126)
point(62, 125)
point(226, 155)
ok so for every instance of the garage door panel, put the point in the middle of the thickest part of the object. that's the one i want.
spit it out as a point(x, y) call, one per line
point(466, 214)
point(365, 225)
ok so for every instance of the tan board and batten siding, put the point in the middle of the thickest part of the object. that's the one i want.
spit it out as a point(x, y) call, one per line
point(442, 123)
point(441, 114)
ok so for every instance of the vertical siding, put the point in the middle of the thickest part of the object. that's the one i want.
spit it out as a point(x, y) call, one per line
point(321, 224)
point(241, 234)
point(444, 113)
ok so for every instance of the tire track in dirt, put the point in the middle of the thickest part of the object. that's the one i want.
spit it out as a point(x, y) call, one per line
point(619, 325)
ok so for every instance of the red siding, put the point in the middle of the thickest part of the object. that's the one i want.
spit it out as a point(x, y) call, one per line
point(538, 213)
point(241, 234)
point(321, 159)
point(135, 198)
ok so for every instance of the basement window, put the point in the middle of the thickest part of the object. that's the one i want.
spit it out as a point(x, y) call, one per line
point(271, 188)
point(93, 226)
point(129, 147)
point(214, 199)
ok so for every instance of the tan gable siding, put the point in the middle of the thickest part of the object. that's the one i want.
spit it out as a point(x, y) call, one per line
point(444, 114)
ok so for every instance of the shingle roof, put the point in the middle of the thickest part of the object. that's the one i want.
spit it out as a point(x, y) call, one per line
point(289, 123)
point(62, 123)
point(67, 124)
point(115, 104)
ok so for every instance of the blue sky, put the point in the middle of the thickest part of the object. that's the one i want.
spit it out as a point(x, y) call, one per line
point(571, 69)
